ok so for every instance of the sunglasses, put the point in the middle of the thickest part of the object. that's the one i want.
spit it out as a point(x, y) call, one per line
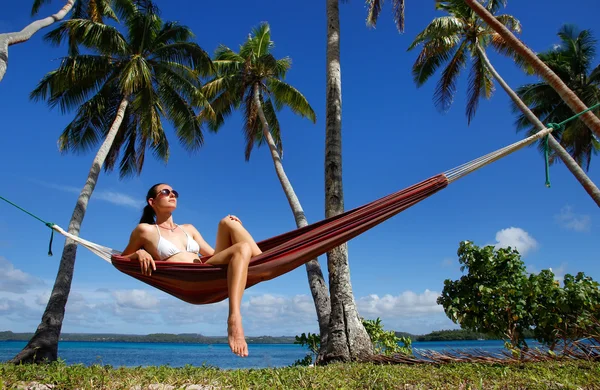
point(167, 192)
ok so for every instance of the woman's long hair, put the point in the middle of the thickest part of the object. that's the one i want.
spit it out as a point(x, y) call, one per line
point(148, 215)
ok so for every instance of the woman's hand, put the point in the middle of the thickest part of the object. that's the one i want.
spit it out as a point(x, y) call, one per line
point(146, 262)
point(234, 218)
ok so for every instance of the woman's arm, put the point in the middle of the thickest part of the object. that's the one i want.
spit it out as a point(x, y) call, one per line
point(135, 250)
point(205, 248)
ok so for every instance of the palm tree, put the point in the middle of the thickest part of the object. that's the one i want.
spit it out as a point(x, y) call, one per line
point(348, 339)
point(12, 38)
point(571, 60)
point(569, 97)
point(122, 91)
point(253, 80)
point(453, 40)
point(523, 56)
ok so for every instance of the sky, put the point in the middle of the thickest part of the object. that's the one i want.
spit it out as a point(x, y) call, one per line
point(393, 137)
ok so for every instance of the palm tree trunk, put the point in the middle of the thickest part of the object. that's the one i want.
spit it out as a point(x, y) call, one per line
point(13, 38)
point(590, 120)
point(348, 339)
point(316, 281)
point(44, 343)
point(570, 163)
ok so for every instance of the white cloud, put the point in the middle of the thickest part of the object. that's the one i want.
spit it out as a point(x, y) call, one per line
point(17, 310)
point(572, 221)
point(94, 310)
point(118, 199)
point(14, 280)
point(135, 299)
point(515, 238)
point(113, 197)
point(406, 304)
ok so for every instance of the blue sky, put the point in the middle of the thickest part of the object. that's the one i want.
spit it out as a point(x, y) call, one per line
point(393, 136)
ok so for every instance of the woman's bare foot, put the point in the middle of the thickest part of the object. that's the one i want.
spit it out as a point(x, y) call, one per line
point(235, 336)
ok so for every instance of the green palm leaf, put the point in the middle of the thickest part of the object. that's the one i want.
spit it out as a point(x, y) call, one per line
point(285, 95)
point(154, 65)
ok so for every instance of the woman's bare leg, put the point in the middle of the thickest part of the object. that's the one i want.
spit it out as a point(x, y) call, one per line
point(231, 232)
point(235, 247)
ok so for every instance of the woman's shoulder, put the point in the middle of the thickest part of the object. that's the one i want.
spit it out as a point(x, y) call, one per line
point(144, 228)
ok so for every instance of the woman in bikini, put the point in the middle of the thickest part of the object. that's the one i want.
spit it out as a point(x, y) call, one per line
point(159, 237)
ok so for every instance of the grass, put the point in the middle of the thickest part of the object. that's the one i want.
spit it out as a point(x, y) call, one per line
point(573, 374)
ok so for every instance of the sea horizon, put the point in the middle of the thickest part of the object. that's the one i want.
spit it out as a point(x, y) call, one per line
point(217, 355)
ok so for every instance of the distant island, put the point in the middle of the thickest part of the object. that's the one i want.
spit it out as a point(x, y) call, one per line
point(453, 335)
point(194, 338)
point(191, 338)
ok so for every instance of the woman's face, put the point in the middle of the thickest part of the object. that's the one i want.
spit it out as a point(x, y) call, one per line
point(165, 198)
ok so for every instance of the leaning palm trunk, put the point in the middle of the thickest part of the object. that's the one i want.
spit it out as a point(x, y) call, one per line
point(316, 280)
point(570, 163)
point(13, 38)
point(590, 120)
point(43, 346)
point(348, 339)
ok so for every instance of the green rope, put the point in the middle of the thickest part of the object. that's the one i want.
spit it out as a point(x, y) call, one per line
point(49, 224)
point(578, 115)
point(556, 127)
point(547, 160)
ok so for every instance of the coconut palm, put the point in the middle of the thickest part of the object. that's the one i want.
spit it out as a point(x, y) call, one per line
point(347, 339)
point(122, 90)
point(252, 79)
point(454, 40)
point(571, 60)
point(537, 65)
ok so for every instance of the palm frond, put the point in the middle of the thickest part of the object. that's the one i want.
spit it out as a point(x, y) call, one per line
point(446, 88)
point(281, 68)
point(398, 6)
point(259, 43)
point(73, 82)
point(222, 106)
point(183, 79)
point(135, 76)
point(99, 37)
point(373, 11)
point(252, 124)
point(500, 45)
point(172, 32)
point(180, 113)
point(274, 127)
point(123, 134)
point(432, 56)
point(187, 53)
point(90, 124)
point(480, 86)
point(444, 30)
point(37, 4)
point(143, 28)
point(510, 22)
point(284, 94)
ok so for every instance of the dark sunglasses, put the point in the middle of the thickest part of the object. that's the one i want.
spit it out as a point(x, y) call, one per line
point(167, 192)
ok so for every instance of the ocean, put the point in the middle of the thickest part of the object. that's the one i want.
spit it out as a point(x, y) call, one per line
point(214, 355)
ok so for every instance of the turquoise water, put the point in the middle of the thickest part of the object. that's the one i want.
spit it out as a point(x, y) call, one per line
point(216, 355)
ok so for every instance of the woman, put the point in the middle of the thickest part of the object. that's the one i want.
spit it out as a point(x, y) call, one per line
point(159, 237)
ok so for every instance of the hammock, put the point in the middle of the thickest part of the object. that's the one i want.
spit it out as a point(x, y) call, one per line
point(197, 283)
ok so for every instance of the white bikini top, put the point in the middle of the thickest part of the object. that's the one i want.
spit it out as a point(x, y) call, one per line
point(166, 248)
